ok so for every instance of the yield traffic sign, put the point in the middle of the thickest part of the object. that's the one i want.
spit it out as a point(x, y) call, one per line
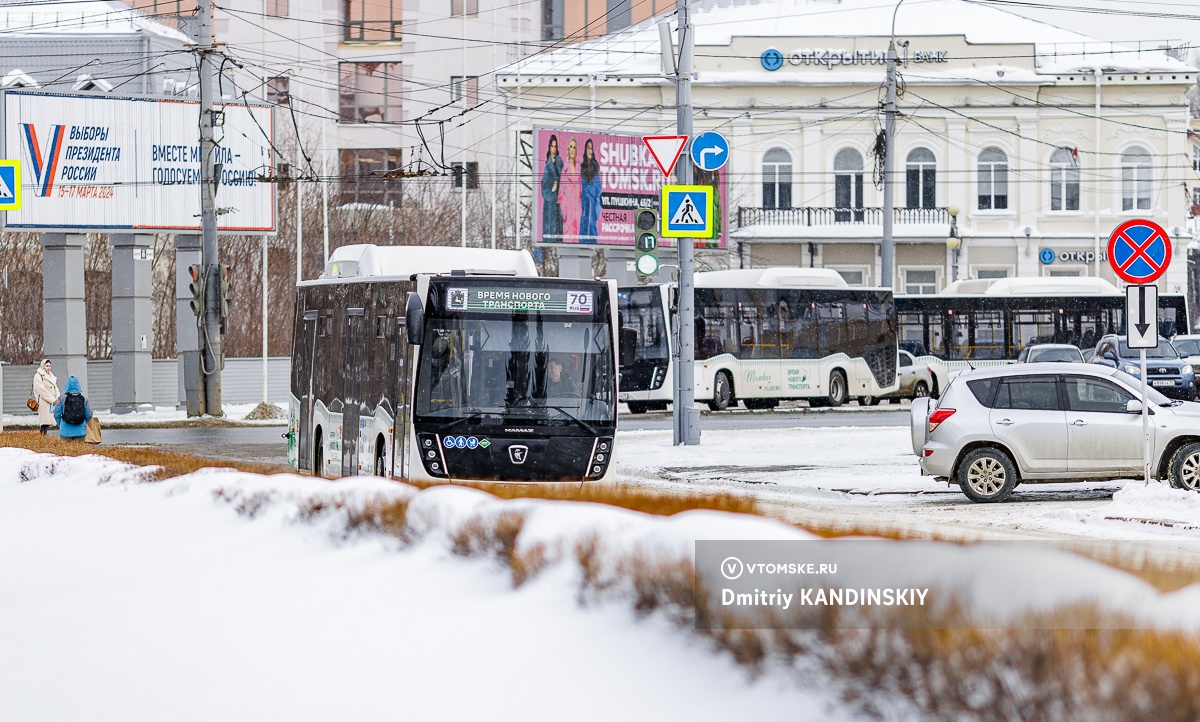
point(687, 212)
point(1141, 316)
point(1139, 251)
point(665, 149)
point(10, 185)
point(710, 151)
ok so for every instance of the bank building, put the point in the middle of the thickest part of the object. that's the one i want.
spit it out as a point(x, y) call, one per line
point(1020, 146)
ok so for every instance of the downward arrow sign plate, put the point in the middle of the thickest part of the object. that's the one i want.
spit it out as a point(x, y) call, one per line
point(1141, 316)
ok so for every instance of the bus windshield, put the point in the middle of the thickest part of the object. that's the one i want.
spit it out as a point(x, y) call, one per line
point(527, 367)
point(641, 310)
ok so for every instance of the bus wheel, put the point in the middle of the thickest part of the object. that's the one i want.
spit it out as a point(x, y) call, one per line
point(318, 466)
point(837, 388)
point(379, 470)
point(636, 407)
point(722, 392)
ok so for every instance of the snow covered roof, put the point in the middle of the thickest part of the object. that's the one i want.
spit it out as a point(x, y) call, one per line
point(774, 277)
point(403, 261)
point(82, 17)
point(635, 51)
point(1033, 286)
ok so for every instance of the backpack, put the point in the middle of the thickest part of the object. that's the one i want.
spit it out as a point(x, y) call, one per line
point(74, 409)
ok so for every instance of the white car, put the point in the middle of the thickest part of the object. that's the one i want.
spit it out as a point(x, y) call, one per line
point(1026, 423)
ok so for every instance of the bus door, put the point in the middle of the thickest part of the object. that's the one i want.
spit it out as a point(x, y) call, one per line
point(351, 385)
point(304, 450)
point(401, 365)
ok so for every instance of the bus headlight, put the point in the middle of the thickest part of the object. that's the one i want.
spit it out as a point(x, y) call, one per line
point(600, 457)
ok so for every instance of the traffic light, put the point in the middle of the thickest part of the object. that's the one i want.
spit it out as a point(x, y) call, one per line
point(196, 286)
point(646, 261)
point(224, 274)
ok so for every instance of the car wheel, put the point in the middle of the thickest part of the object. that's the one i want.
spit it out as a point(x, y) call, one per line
point(1184, 472)
point(987, 475)
point(837, 389)
point(868, 400)
point(921, 390)
point(722, 392)
point(636, 407)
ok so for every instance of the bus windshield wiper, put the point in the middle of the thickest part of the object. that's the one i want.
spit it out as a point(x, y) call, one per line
point(583, 424)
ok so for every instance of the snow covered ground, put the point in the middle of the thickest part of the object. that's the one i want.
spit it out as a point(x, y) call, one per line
point(211, 596)
point(160, 414)
point(869, 477)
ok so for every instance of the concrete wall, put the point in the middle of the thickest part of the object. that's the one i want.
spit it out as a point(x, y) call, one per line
point(241, 383)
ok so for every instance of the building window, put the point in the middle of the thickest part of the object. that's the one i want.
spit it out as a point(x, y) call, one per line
point(467, 87)
point(472, 175)
point(1064, 181)
point(276, 8)
point(991, 273)
point(369, 92)
point(278, 90)
point(366, 175)
point(853, 275)
point(777, 179)
point(848, 186)
point(1196, 201)
point(920, 281)
point(552, 19)
point(1135, 180)
point(372, 21)
point(993, 180)
point(619, 14)
point(456, 7)
point(921, 179)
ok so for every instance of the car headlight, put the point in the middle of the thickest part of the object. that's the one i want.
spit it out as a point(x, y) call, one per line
point(1133, 369)
point(1187, 369)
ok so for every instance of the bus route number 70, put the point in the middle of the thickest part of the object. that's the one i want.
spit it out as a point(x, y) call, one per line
point(579, 301)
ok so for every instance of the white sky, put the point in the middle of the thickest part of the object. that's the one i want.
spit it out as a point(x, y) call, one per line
point(1118, 27)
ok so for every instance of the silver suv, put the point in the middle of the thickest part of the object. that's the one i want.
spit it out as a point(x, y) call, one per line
point(995, 428)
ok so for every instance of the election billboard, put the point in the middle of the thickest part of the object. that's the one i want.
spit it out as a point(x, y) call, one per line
point(588, 187)
point(104, 162)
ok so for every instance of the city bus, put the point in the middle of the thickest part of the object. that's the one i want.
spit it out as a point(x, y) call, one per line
point(986, 322)
point(762, 336)
point(452, 364)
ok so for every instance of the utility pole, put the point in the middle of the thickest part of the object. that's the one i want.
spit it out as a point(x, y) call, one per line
point(210, 332)
point(887, 250)
point(686, 418)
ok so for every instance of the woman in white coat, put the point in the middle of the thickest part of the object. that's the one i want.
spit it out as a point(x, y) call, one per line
point(45, 392)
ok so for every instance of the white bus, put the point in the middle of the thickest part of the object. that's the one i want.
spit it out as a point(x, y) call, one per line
point(427, 363)
point(762, 336)
point(986, 322)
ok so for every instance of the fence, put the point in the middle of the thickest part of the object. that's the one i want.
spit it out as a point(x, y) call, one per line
point(241, 383)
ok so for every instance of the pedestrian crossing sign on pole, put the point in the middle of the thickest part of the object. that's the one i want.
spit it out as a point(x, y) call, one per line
point(10, 185)
point(687, 212)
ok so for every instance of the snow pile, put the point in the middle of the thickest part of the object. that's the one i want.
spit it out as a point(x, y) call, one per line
point(1157, 502)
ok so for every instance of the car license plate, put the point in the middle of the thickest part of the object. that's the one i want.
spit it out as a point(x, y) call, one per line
point(1162, 383)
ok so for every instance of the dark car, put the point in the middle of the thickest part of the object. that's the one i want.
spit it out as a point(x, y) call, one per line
point(1166, 370)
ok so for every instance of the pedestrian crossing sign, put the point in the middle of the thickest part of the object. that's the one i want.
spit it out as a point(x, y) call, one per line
point(10, 185)
point(687, 212)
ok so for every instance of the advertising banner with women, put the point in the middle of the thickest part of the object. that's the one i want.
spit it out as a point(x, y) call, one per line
point(589, 186)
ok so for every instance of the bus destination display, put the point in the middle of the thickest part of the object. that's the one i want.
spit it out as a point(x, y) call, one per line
point(518, 299)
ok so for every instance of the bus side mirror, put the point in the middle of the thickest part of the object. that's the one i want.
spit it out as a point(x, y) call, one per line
point(414, 318)
point(629, 339)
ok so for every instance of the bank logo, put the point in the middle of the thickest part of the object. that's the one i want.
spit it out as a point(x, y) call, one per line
point(1047, 255)
point(771, 59)
point(44, 160)
point(732, 568)
point(518, 453)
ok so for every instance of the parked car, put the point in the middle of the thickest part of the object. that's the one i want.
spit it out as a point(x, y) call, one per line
point(916, 379)
point(1088, 354)
point(1026, 423)
point(1188, 347)
point(1046, 352)
point(1165, 370)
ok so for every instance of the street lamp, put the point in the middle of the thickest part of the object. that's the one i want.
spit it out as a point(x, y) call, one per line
point(953, 242)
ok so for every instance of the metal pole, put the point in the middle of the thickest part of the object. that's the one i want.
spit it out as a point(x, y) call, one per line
point(299, 218)
point(887, 249)
point(463, 88)
point(1096, 190)
point(1145, 424)
point(686, 418)
point(324, 197)
point(265, 289)
point(210, 353)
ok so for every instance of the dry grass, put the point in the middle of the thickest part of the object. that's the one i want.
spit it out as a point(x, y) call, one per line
point(171, 464)
point(649, 501)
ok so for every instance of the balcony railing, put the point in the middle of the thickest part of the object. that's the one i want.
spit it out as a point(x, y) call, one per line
point(836, 216)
